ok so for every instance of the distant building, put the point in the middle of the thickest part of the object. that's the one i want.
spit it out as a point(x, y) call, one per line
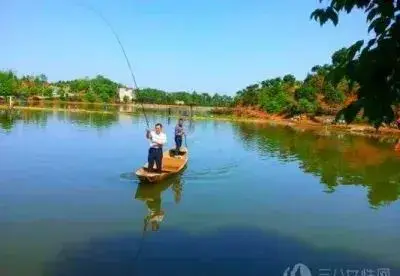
point(125, 92)
point(180, 102)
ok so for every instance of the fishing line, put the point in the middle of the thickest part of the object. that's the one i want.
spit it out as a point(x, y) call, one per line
point(185, 142)
point(135, 86)
point(123, 51)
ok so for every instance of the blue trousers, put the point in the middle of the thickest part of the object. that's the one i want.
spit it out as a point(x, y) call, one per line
point(178, 142)
point(155, 155)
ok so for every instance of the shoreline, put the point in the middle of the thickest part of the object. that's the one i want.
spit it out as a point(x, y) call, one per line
point(302, 125)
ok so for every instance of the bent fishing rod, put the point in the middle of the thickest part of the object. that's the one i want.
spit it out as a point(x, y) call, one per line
point(123, 51)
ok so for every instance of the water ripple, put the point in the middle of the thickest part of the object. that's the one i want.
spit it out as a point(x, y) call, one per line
point(216, 172)
point(128, 176)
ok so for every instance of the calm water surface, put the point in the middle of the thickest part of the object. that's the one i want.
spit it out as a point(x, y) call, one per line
point(253, 200)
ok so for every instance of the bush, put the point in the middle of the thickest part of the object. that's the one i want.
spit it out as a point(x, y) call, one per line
point(274, 100)
point(63, 97)
point(308, 93)
point(126, 99)
point(104, 97)
point(304, 106)
point(333, 95)
point(90, 97)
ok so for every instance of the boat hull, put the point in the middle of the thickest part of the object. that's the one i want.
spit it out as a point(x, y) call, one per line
point(172, 165)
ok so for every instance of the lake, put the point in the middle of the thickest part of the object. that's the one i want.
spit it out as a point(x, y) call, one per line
point(254, 199)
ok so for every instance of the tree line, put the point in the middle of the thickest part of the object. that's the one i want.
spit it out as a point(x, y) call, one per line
point(98, 89)
point(319, 93)
point(156, 96)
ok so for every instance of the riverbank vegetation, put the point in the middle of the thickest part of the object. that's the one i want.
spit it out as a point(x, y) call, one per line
point(319, 93)
point(98, 89)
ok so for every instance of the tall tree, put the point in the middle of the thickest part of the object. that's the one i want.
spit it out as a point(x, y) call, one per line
point(43, 78)
point(374, 65)
point(8, 83)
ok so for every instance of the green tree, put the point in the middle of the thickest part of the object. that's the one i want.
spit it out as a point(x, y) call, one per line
point(289, 79)
point(48, 92)
point(63, 96)
point(306, 106)
point(43, 78)
point(306, 92)
point(8, 83)
point(126, 99)
point(374, 65)
point(90, 97)
point(333, 95)
point(105, 97)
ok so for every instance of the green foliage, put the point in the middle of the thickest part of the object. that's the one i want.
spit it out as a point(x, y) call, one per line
point(249, 96)
point(272, 95)
point(156, 96)
point(105, 97)
point(42, 78)
point(308, 93)
point(48, 92)
point(126, 99)
point(90, 97)
point(274, 99)
point(100, 88)
point(63, 96)
point(324, 84)
point(333, 95)
point(307, 106)
point(289, 79)
point(372, 65)
point(8, 83)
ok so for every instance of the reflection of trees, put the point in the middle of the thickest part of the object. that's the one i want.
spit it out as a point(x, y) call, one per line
point(92, 119)
point(35, 117)
point(336, 161)
point(8, 118)
point(79, 106)
point(39, 117)
point(151, 194)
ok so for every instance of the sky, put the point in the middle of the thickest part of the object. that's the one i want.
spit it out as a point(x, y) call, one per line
point(214, 46)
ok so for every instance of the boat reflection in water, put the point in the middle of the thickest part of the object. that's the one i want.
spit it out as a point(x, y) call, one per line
point(151, 195)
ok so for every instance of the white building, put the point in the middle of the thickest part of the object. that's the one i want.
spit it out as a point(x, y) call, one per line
point(123, 91)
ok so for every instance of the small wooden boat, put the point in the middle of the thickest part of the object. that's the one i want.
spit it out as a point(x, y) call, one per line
point(172, 164)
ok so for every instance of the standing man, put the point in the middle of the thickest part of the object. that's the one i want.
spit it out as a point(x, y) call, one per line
point(179, 132)
point(157, 140)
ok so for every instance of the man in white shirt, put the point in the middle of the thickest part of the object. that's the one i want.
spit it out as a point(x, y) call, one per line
point(157, 140)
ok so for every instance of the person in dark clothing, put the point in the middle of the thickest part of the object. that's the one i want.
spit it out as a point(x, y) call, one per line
point(179, 132)
point(157, 140)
